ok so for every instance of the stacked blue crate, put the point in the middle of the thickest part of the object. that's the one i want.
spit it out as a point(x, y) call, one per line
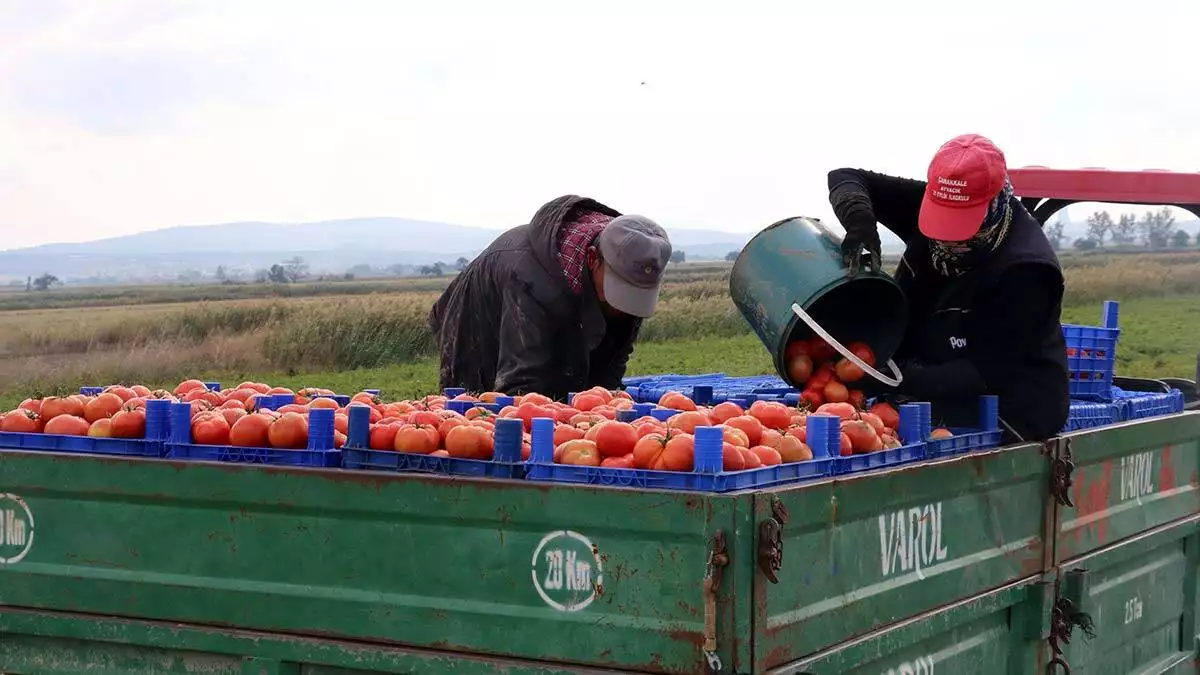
point(1089, 415)
point(1137, 405)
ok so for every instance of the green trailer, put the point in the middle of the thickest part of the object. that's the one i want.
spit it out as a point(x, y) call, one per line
point(984, 563)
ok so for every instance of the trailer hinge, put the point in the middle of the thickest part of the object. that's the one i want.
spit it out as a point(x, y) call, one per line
point(718, 558)
point(1063, 620)
point(770, 541)
point(1061, 468)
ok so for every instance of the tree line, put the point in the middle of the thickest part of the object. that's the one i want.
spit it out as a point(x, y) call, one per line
point(1155, 229)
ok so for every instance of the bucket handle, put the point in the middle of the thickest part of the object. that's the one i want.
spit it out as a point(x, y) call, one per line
point(893, 381)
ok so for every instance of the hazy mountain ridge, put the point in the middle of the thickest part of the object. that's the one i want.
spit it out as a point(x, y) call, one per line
point(328, 247)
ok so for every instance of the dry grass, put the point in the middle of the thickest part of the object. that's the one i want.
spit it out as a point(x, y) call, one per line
point(379, 324)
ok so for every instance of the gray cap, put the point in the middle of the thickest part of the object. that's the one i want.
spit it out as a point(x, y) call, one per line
point(636, 252)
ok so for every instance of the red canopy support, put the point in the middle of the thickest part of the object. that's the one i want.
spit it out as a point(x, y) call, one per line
point(1045, 191)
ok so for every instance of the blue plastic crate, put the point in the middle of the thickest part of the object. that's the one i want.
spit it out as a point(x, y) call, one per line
point(824, 435)
point(1089, 415)
point(506, 462)
point(707, 476)
point(409, 462)
point(269, 456)
point(707, 388)
point(969, 439)
point(1091, 356)
point(880, 459)
point(320, 451)
point(1140, 405)
point(128, 447)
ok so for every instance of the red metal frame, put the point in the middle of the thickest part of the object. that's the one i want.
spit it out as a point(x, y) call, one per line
point(1045, 191)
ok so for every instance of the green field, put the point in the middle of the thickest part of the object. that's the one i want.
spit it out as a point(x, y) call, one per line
point(374, 334)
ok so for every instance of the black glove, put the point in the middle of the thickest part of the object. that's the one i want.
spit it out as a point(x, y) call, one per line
point(861, 233)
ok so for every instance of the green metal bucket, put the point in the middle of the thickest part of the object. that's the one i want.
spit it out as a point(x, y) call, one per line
point(798, 261)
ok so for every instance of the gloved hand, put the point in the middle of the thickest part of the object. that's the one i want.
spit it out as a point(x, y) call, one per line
point(861, 233)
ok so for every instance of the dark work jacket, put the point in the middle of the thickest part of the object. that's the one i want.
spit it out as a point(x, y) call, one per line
point(509, 322)
point(994, 330)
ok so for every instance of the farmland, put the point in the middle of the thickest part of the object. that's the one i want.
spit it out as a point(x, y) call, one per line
point(350, 335)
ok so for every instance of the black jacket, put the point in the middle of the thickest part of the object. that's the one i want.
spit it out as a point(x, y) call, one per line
point(510, 323)
point(995, 329)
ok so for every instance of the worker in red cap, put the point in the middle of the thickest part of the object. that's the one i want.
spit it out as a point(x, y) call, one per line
point(983, 285)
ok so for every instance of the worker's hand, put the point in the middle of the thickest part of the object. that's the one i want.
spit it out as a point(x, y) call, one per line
point(861, 241)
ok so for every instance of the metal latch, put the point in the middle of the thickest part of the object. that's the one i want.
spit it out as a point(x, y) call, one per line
point(770, 541)
point(1065, 616)
point(718, 558)
point(1061, 468)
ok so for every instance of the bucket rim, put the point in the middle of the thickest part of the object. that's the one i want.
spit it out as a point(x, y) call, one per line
point(790, 327)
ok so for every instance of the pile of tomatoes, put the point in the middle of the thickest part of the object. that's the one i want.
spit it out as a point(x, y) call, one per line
point(823, 375)
point(118, 412)
point(585, 433)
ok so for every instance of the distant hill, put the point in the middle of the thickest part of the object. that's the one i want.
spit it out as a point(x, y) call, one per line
point(328, 247)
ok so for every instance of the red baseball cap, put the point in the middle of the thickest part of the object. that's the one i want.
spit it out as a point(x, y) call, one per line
point(964, 177)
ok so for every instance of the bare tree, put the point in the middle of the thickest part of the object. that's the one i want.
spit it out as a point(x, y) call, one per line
point(44, 282)
point(1099, 225)
point(1054, 232)
point(1124, 232)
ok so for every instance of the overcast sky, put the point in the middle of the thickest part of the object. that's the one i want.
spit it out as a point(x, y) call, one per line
point(118, 116)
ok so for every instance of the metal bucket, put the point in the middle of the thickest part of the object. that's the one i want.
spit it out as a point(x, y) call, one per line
point(799, 262)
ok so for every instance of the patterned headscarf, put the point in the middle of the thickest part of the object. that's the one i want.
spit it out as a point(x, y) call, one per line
point(953, 258)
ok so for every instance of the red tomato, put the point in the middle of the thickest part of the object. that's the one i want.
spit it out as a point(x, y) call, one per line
point(862, 351)
point(752, 460)
point(566, 432)
point(22, 421)
point(863, 437)
point(469, 442)
point(749, 425)
point(613, 439)
point(587, 401)
point(812, 397)
point(686, 422)
point(772, 415)
point(104, 405)
point(767, 456)
point(383, 436)
point(581, 452)
point(416, 438)
point(676, 401)
point(800, 368)
point(792, 449)
point(232, 415)
point(129, 424)
point(734, 436)
point(843, 410)
point(100, 429)
point(725, 411)
point(67, 425)
point(188, 385)
point(625, 462)
point(847, 371)
point(731, 458)
point(289, 430)
point(211, 428)
point(251, 431)
point(53, 406)
point(836, 392)
point(887, 413)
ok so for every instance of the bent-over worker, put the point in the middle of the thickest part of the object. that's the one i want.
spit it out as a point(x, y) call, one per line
point(983, 285)
point(553, 306)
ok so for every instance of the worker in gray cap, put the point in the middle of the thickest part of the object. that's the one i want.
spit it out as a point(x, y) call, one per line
point(553, 306)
